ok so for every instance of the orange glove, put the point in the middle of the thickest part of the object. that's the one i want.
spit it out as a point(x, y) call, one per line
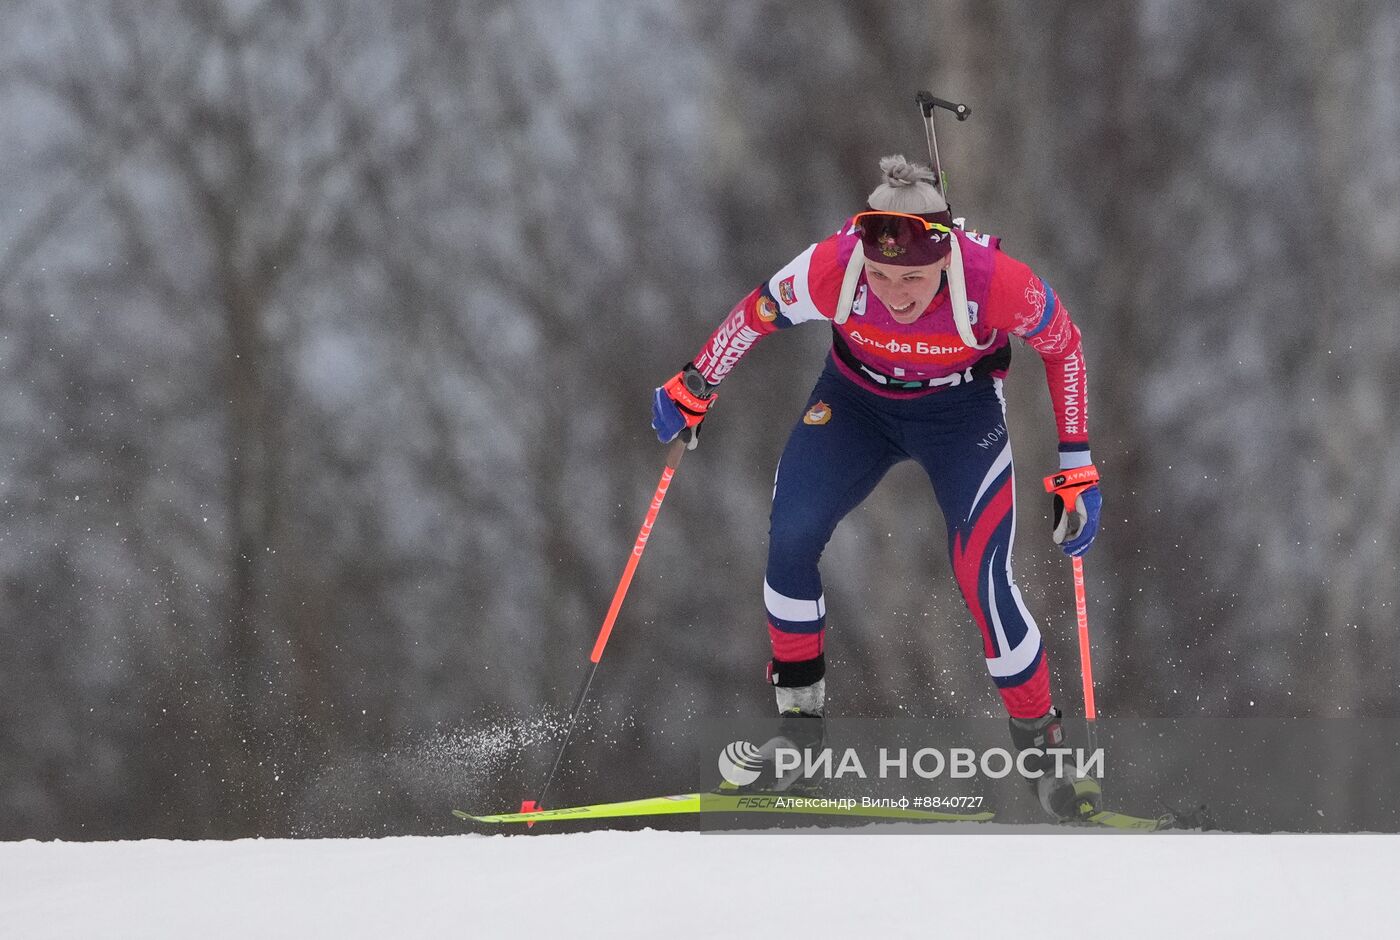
point(681, 404)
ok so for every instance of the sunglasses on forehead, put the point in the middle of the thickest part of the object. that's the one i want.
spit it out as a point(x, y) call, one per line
point(886, 220)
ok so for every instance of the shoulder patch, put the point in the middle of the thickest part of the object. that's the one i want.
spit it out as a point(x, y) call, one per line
point(787, 289)
point(766, 309)
point(793, 288)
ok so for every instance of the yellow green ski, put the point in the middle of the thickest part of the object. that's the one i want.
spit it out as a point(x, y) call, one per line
point(682, 803)
point(1112, 820)
point(695, 803)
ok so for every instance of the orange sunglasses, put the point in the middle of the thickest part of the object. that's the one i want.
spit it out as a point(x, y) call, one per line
point(882, 214)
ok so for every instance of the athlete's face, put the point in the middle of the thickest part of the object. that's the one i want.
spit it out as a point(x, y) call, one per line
point(905, 290)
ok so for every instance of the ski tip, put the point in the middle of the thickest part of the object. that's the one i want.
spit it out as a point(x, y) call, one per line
point(483, 820)
point(490, 820)
point(487, 820)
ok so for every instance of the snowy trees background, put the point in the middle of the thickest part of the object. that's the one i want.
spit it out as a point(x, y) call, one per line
point(327, 334)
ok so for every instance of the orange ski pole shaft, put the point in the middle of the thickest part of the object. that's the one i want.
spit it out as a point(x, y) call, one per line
point(1086, 664)
point(673, 460)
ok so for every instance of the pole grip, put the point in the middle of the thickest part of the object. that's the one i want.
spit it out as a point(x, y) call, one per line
point(676, 452)
point(1068, 484)
point(928, 101)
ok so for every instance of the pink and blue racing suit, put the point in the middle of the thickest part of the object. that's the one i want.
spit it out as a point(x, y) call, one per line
point(892, 392)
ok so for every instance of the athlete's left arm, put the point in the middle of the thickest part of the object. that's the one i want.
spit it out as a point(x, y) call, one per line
point(1023, 304)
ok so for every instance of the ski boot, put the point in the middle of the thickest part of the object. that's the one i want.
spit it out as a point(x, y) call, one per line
point(1069, 797)
point(800, 727)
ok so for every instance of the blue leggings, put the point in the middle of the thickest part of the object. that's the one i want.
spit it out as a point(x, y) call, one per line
point(846, 441)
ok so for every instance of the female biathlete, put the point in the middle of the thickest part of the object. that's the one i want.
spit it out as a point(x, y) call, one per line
point(922, 315)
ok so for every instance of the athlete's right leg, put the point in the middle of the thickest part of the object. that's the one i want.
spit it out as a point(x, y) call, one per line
point(836, 454)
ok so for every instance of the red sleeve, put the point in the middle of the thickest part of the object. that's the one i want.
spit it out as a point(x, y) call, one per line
point(1022, 303)
point(806, 289)
point(752, 318)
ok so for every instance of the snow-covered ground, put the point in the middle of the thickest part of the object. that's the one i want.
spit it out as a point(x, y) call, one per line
point(677, 884)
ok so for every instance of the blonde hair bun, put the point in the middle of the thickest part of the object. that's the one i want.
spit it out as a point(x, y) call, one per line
point(907, 187)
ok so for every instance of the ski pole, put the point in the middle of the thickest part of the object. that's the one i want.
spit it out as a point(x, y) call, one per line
point(673, 460)
point(927, 102)
point(1067, 485)
point(1086, 664)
